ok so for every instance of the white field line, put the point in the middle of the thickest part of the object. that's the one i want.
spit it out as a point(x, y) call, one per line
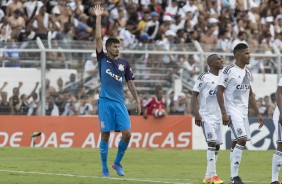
point(95, 177)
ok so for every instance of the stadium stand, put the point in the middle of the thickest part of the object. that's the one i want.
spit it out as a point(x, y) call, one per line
point(160, 38)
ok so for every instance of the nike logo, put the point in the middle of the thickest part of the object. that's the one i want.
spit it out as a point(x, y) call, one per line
point(108, 61)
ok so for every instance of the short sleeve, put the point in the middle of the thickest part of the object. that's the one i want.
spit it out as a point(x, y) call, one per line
point(100, 55)
point(128, 73)
point(224, 79)
point(199, 85)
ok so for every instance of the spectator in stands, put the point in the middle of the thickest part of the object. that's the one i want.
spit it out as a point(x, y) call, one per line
point(224, 43)
point(155, 106)
point(178, 23)
point(60, 86)
point(170, 103)
point(17, 23)
point(240, 39)
point(190, 68)
point(182, 104)
point(83, 107)
point(270, 107)
point(153, 25)
point(13, 6)
point(209, 39)
point(31, 8)
point(142, 24)
point(50, 90)
point(127, 36)
point(41, 24)
point(24, 107)
point(118, 23)
point(90, 73)
point(82, 30)
point(51, 109)
point(63, 15)
point(278, 41)
point(5, 33)
point(14, 99)
point(4, 104)
point(72, 85)
point(167, 44)
point(257, 66)
point(12, 56)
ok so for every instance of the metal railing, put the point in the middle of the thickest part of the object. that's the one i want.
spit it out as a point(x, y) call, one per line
point(153, 64)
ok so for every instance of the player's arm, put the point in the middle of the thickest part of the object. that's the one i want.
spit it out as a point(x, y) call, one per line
point(278, 97)
point(253, 104)
point(98, 10)
point(195, 108)
point(220, 100)
point(133, 91)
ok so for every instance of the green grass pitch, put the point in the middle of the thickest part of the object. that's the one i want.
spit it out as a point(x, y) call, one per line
point(82, 166)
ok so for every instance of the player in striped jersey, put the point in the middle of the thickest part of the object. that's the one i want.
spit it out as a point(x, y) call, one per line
point(112, 111)
point(277, 120)
point(209, 116)
point(234, 93)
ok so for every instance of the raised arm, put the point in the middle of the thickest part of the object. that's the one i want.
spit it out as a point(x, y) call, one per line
point(220, 100)
point(253, 104)
point(34, 90)
point(98, 32)
point(278, 97)
point(133, 91)
point(4, 85)
point(195, 108)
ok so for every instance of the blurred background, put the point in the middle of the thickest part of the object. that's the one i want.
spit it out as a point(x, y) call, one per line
point(48, 59)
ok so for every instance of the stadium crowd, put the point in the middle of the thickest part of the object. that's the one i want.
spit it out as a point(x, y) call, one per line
point(213, 22)
point(217, 24)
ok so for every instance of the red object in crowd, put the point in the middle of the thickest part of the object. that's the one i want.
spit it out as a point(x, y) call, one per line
point(152, 104)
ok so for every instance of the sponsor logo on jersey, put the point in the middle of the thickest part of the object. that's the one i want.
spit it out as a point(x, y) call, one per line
point(212, 92)
point(118, 78)
point(121, 67)
point(243, 86)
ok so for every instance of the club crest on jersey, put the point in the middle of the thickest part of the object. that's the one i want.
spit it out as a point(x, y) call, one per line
point(102, 124)
point(209, 135)
point(121, 67)
point(200, 85)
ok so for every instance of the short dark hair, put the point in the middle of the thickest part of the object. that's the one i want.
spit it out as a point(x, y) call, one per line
point(239, 47)
point(110, 41)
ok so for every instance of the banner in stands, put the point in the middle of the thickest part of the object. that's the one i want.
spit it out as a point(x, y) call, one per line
point(261, 139)
point(65, 132)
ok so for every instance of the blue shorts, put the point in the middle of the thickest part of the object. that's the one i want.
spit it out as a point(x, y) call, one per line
point(113, 115)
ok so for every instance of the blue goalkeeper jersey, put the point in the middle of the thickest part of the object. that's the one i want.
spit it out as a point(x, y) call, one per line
point(112, 74)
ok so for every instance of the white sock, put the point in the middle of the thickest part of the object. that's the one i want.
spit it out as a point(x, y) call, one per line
point(230, 157)
point(216, 155)
point(210, 162)
point(276, 164)
point(236, 159)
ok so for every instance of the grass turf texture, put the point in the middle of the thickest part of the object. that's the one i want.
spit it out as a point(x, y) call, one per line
point(81, 166)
